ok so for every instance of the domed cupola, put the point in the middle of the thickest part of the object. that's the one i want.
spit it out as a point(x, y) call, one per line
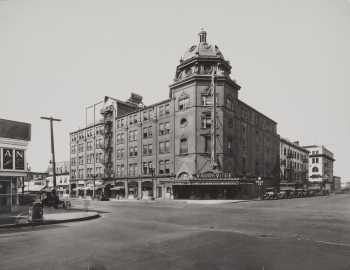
point(202, 49)
point(201, 59)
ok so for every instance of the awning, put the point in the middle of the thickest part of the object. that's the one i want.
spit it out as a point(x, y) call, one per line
point(34, 188)
point(117, 188)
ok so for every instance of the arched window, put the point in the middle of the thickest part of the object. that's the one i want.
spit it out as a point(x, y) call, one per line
point(314, 169)
point(183, 122)
point(183, 146)
point(183, 176)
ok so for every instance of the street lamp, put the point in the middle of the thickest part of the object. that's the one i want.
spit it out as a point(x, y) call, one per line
point(260, 184)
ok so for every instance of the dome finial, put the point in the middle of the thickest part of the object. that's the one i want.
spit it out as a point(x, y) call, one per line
point(202, 36)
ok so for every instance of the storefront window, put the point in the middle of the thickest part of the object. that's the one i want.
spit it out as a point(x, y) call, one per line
point(7, 159)
point(19, 159)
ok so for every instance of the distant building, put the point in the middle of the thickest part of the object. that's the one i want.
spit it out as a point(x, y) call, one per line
point(192, 145)
point(62, 177)
point(36, 176)
point(14, 140)
point(62, 167)
point(294, 163)
point(320, 165)
point(336, 183)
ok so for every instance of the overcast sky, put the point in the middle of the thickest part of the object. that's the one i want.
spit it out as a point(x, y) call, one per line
point(292, 59)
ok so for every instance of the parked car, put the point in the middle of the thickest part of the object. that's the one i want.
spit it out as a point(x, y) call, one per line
point(311, 193)
point(282, 195)
point(270, 195)
point(300, 193)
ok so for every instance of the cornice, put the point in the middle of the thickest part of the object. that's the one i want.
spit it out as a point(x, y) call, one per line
point(194, 78)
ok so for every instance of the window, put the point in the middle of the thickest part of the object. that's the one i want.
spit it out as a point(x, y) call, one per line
point(120, 153)
point(206, 120)
point(120, 170)
point(230, 122)
point(229, 145)
point(229, 103)
point(147, 167)
point(120, 138)
point(161, 110)
point(81, 173)
point(164, 147)
point(161, 167)
point(73, 162)
point(99, 143)
point(81, 160)
point(146, 115)
point(207, 144)
point(99, 157)
point(183, 146)
point(207, 100)
point(133, 151)
point(147, 132)
point(164, 128)
point(81, 148)
point(89, 146)
point(164, 166)
point(147, 149)
point(184, 103)
point(167, 166)
point(315, 169)
point(133, 169)
point(132, 135)
point(167, 108)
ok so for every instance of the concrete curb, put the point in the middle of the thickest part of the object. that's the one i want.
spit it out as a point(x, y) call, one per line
point(49, 222)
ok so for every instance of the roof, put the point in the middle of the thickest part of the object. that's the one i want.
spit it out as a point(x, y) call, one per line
point(294, 145)
point(202, 49)
point(256, 111)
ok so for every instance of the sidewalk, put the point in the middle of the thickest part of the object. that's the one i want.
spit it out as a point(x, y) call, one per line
point(51, 216)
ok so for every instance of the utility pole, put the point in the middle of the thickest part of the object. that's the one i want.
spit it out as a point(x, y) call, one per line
point(51, 119)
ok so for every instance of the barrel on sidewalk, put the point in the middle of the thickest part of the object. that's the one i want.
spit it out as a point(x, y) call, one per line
point(36, 213)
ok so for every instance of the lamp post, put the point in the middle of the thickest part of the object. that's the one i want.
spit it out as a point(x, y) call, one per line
point(94, 186)
point(260, 184)
point(154, 186)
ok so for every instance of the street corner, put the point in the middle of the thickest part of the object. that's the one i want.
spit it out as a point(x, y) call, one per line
point(51, 218)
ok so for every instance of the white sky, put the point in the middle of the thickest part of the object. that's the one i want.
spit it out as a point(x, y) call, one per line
point(292, 59)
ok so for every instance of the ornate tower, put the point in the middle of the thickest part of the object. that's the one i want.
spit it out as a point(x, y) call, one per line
point(203, 73)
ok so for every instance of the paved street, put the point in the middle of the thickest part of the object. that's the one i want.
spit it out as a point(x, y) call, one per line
point(310, 233)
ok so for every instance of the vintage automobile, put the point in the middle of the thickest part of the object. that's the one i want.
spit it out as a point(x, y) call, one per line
point(270, 195)
point(300, 193)
point(50, 199)
point(282, 195)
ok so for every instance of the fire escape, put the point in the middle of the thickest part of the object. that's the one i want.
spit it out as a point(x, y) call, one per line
point(108, 117)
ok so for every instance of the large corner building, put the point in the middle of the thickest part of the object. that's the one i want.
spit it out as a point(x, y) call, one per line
point(190, 145)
